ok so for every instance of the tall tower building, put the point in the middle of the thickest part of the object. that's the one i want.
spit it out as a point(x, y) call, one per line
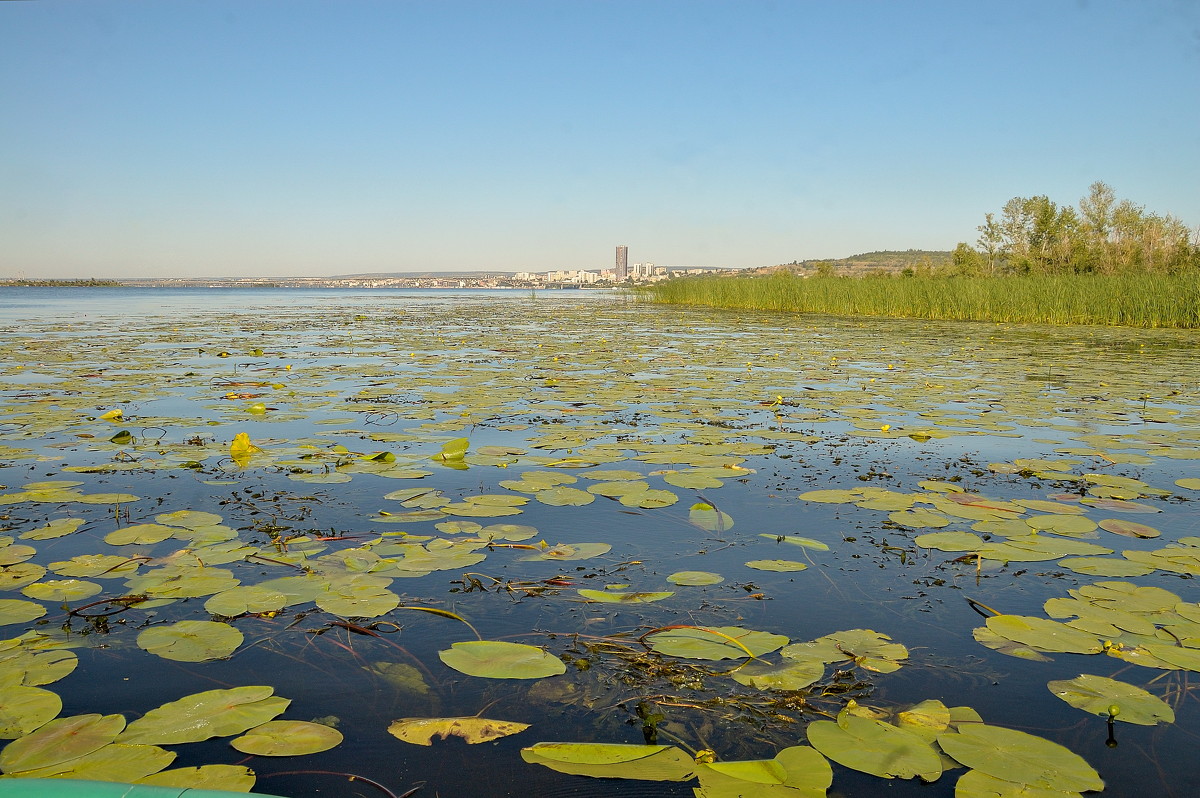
point(622, 270)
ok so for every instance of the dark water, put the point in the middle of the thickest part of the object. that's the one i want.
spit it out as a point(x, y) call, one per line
point(599, 379)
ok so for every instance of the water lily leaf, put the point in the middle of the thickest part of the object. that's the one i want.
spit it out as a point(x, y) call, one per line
point(1120, 506)
point(626, 597)
point(1191, 483)
point(797, 540)
point(1037, 548)
point(358, 600)
point(1153, 655)
point(60, 740)
point(212, 713)
point(19, 611)
point(796, 772)
point(990, 639)
point(103, 566)
point(407, 494)
point(875, 747)
point(458, 527)
point(832, 496)
point(919, 518)
point(12, 554)
point(614, 489)
point(114, 762)
point(20, 575)
point(715, 643)
point(1013, 755)
point(1180, 559)
point(1110, 698)
point(510, 532)
point(191, 641)
point(709, 518)
point(23, 666)
point(776, 565)
point(140, 533)
point(864, 647)
point(231, 778)
point(573, 551)
point(974, 784)
point(182, 580)
point(287, 738)
point(1071, 525)
point(613, 761)
point(927, 719)
point(54, 529)
point(60, 590)
point(648, 499)
point(453, 450)
point(1105, 566)
point(23, 709)
point(695, 578)
point(247, 598)
point(189, 519)
point(1041, 634)
point(788, 676)
point(562, 496)
point(421, 731)
point(684, 479)
point(501, 660)
point(1129, 529)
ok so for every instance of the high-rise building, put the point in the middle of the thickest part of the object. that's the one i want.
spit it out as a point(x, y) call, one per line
point(622, 270)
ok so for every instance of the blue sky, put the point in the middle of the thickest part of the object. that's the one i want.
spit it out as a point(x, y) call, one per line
point(292, 137)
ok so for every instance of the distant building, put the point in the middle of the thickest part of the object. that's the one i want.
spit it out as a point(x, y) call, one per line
point(621, 272)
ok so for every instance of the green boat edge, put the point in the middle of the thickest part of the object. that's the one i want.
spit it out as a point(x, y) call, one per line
point(74, 788)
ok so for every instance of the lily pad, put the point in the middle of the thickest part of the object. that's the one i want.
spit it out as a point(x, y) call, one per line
point(19, 611)
point(875, 747)
point(212, 713)
point(231, 778)
point(501, 660)
point(60, 590)
point(191, 641)
point(614, 761)
point(114, 762)
point(1110, 698)
point(776, 565)
point(624, 597)
point(715, 643)
point(695, 578)
point(797, 540)
point(1129, 529)
point(1023, 758)
point(421, 731)
point(287, 738)
point(23, 709)
point(1045, 635)
point(709, 518)
point(788, 676)
point(60, 740)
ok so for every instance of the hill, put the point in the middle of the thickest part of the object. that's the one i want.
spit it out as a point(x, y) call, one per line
point(887, 260)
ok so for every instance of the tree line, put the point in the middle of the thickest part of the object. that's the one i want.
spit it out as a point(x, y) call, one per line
point(1033, 235)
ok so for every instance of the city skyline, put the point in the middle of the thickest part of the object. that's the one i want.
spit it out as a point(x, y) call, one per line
point(308, 138)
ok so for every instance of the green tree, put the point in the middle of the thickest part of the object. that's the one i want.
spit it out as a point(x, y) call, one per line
point(991, 237)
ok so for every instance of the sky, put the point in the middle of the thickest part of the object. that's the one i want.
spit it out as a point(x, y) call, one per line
point(271, 138)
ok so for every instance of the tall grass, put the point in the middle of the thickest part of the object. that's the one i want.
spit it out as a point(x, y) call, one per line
point(1127, 300)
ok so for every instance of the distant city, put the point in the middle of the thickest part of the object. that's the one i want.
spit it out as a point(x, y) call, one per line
point(622, 274)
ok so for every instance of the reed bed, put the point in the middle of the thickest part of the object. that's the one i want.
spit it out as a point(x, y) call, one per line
point(1126, 300)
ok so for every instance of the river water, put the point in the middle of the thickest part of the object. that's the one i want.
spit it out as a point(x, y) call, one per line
point(621, 430)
